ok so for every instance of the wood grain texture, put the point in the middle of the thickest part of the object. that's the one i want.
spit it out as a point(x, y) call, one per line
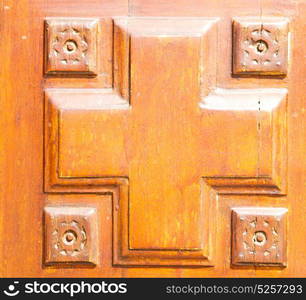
point(21, 138)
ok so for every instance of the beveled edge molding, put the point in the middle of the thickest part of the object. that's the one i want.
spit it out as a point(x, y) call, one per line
point(267, 100)
point(205, 29)
point(127, 27)
point(124, 256)
point(74, 99)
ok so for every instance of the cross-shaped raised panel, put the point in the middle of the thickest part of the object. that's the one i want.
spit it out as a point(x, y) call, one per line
point(155, 140)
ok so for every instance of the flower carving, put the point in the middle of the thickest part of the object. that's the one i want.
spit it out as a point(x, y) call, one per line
point(70, 238)
point(70, 47)
point(260, 46)
point(70, 234)
point(258, 236)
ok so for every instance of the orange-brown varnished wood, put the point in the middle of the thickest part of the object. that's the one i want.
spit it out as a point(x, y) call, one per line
point(155, 138)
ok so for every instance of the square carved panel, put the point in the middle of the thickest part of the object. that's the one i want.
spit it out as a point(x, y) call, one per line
point(260, 46)
point(70, 235)
point(259, 236)
point(71, 46)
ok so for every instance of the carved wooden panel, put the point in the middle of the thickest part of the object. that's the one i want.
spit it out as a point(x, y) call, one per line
point(260, 46)
point(259, 236)
point(71, 46)
point(70, 235)
point(93, 141)
point(93, 137)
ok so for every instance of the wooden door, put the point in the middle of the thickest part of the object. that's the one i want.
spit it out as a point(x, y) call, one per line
point(152, 138)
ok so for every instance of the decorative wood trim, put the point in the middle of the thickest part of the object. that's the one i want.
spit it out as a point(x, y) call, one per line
point(62, 99)
point(260, 46)
point(259, 236)
point(271, 101)
point(71, 46)
point(70, 235)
